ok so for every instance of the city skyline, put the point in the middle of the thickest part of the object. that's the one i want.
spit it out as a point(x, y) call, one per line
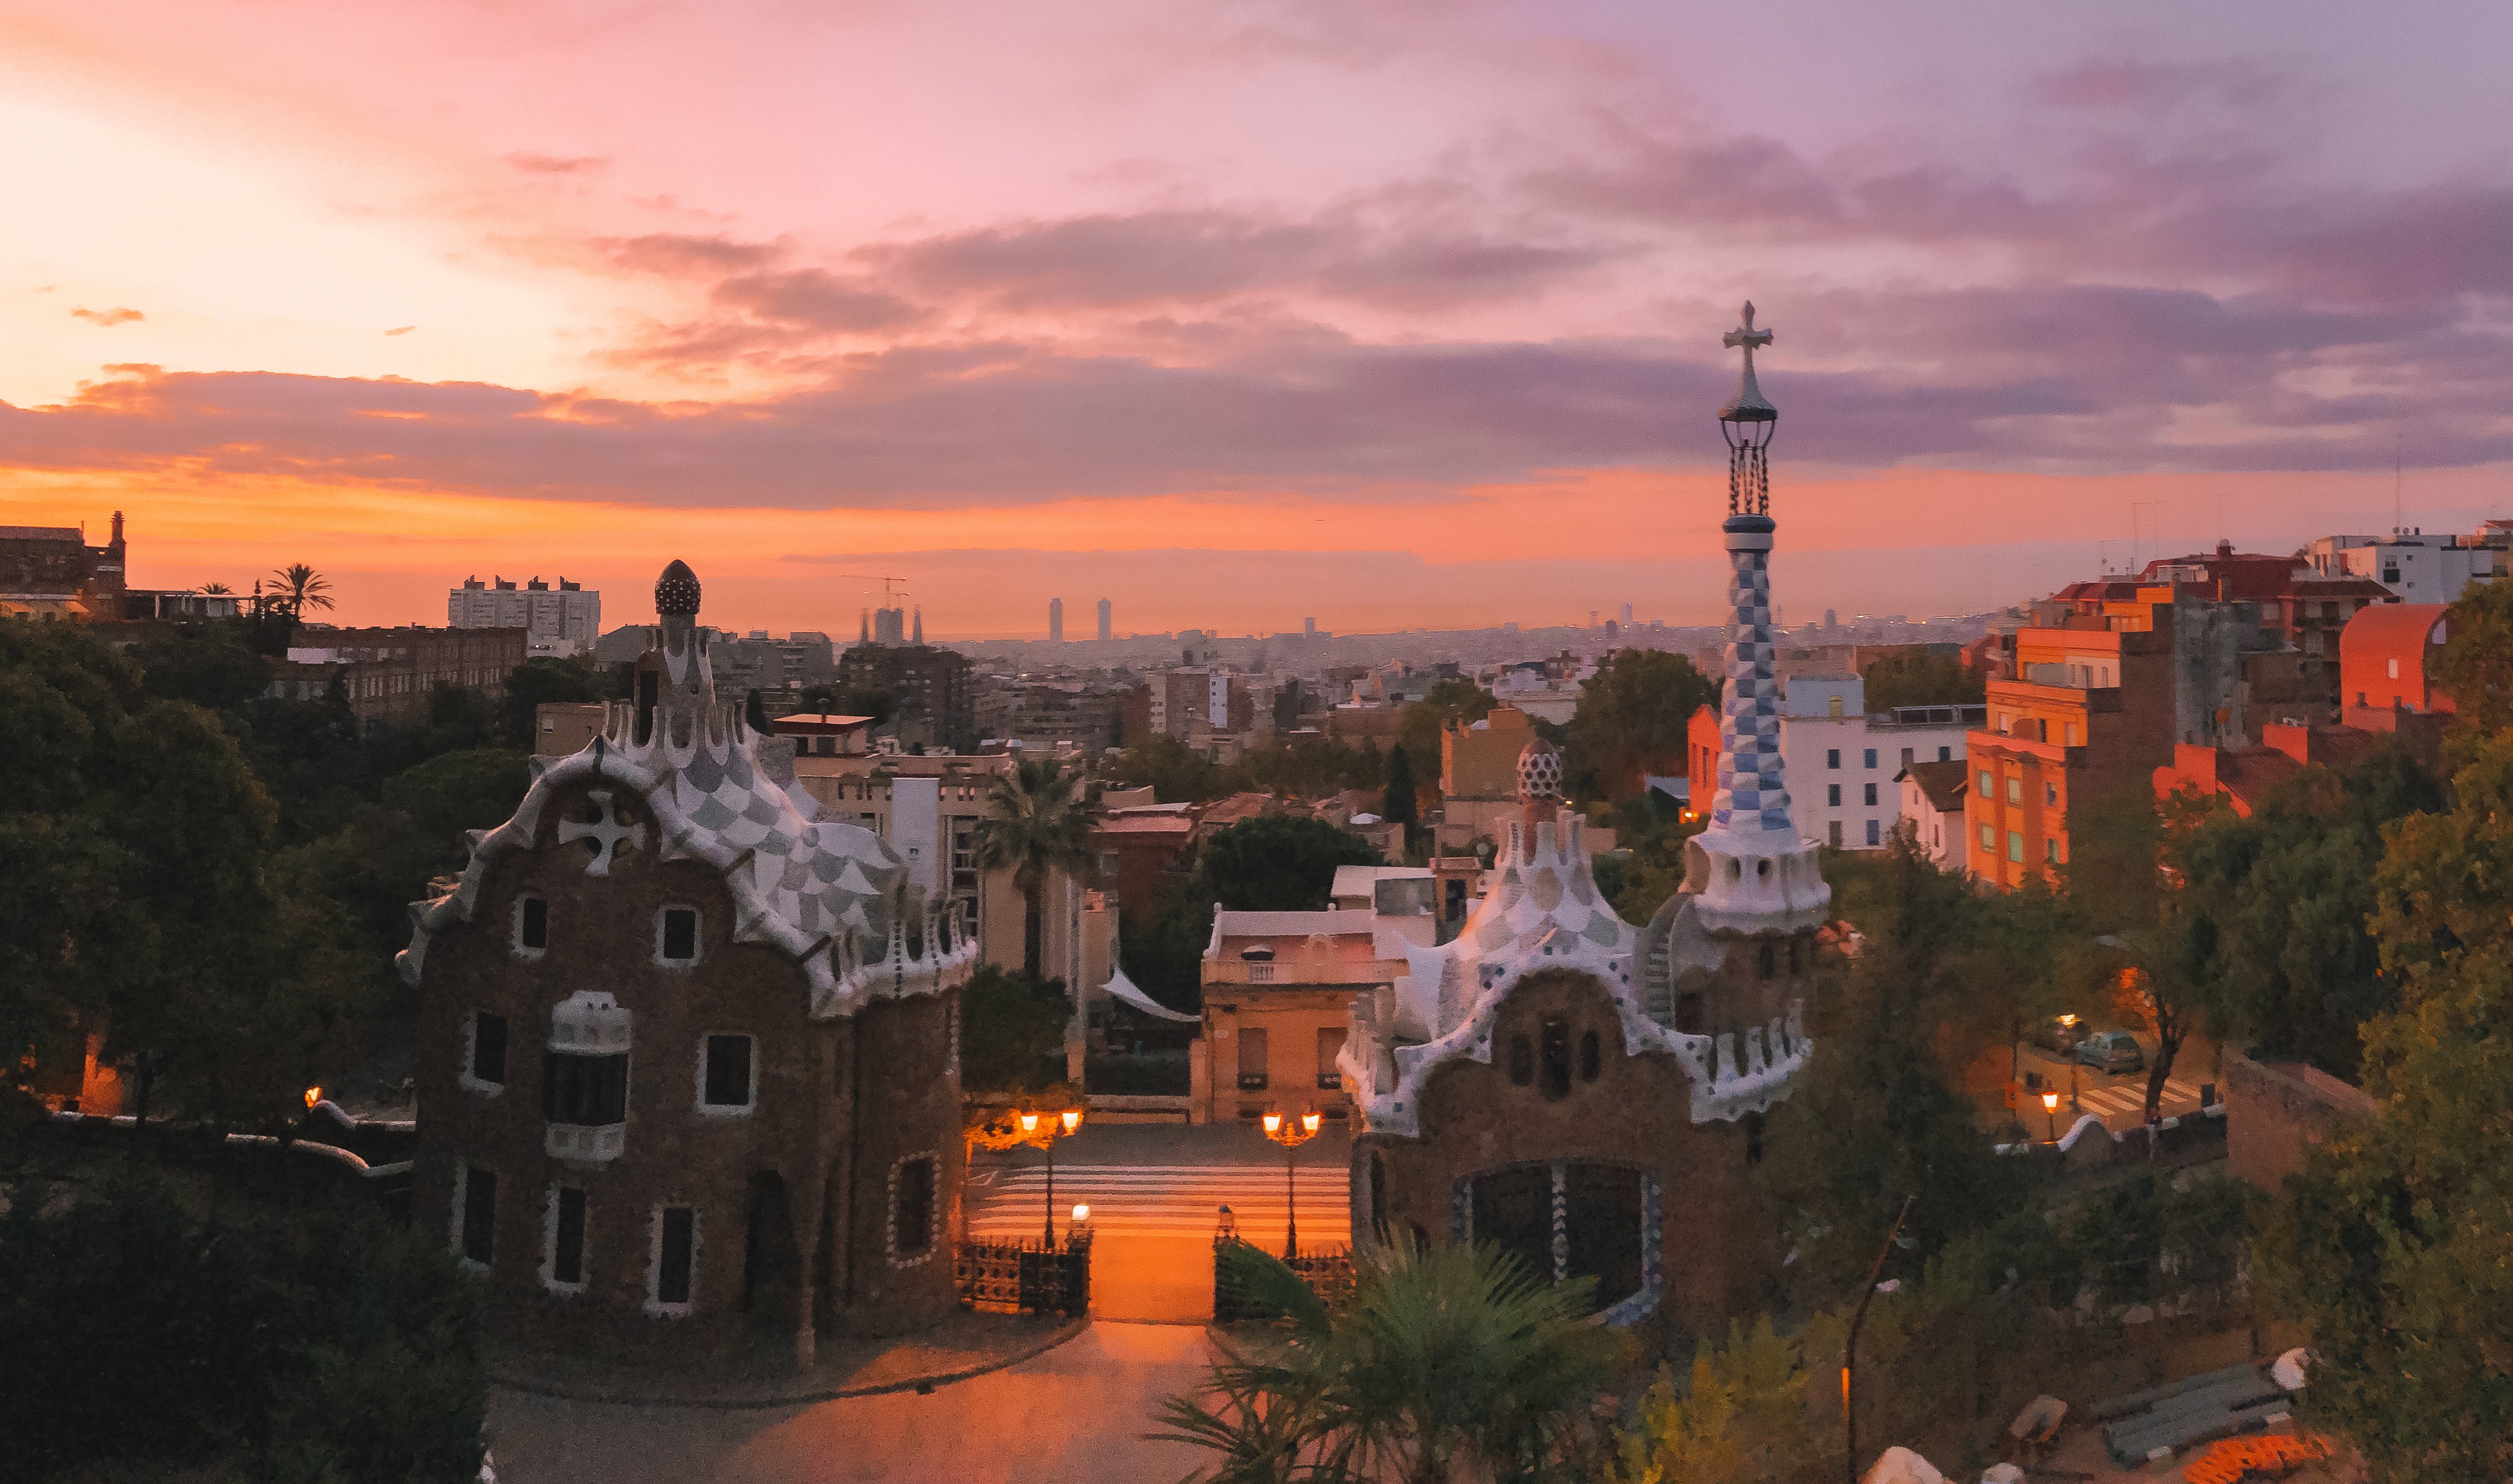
point(2039, 286)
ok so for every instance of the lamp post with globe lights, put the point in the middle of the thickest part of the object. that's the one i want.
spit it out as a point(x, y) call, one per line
point(1290, 1134)
point(1043, 1130)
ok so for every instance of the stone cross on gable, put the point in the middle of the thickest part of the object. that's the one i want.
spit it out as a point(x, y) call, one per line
point(607, 830)
point(1749, 338)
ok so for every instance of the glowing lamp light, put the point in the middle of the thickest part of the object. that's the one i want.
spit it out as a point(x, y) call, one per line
point(1072, 1119)
point(1029, 1123)
point(2050, 1102)
point(1309, 1122)
point(1081, 1213)
point(1273, 1123)
point(313, 1095)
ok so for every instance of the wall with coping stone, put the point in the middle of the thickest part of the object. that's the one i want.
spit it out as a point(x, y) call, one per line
point(2277, 1111)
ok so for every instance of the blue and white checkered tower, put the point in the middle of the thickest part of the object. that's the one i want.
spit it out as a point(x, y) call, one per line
point(1750, 870)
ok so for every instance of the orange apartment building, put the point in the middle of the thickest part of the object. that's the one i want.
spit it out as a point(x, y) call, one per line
point(2206, 650)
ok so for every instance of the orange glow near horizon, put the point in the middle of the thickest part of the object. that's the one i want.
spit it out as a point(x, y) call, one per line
point(1252, 562)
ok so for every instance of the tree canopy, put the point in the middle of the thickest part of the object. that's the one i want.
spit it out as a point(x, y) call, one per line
point(1279, 861)
point(1917, 678)
point(1632, 719)
point(2390, 1246)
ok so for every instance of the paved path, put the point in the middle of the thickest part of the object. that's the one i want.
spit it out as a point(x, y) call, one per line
point(1074, 1414)
point(2123, 1103)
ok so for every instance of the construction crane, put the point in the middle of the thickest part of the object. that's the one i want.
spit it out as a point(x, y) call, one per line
point(889, 592)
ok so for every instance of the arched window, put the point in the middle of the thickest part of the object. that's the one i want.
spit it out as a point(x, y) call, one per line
point(1768, 960)
point(1590, 1062)
point(1556, 1051)
point(1753, 1138)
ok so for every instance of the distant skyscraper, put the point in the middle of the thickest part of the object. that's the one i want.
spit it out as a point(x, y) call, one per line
point(1310, 627)
point(1627, 615)
point(1105, 632)
point(1830, 619)
point(565, 621)
point(1055, 620)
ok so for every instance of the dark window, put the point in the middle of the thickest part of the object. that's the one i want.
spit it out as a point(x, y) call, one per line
point(1329, 1046)
point(673, 1276)
point(1601, 1211)
point(1945, 755)
point(1832, 793)
point(911, 1219)
point(680, 933)
point(1252, 1059)
point(1753, 1138)
point(1871, 795)
point(1688, 1014)
point(567, 1247)
point(479, 1213)
point(1874, 838)
point(1522, 1060)
point(1513, 1210)
point(728, 1071)
point(1589, 1061)
point(488, 1048)
point(1768, 960)
point(1555, 1038)
point(1832, 757)
point(536, 922)
point(591, 1091)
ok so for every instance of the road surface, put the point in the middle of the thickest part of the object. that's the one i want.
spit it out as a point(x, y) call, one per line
point(1074, 1414)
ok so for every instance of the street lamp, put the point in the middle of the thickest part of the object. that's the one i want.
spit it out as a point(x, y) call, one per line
point(1849, 1348)
point(1041, 1130)
point(1290, 1136)
point(2051, 1113)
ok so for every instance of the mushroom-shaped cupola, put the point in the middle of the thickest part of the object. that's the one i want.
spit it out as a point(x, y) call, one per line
point(676, 591)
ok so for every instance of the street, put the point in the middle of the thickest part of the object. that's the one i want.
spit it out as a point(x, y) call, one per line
point(1076, 1413)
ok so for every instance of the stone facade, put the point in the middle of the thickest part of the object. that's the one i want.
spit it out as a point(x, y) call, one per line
point(2276, 1112)
point(687, 1051)
point(1595, 1098)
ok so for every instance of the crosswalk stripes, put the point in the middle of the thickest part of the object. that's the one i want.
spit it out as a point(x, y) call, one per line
point(1161, 1199)
point(2129, 1098)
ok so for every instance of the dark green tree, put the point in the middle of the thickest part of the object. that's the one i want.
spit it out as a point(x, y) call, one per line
point(137, 1340)
point(538, 680)
point(2389, 1247)
point(1011, 1028)
point(2476, 669)
point(1163, 942)
point(1279, 861)
point(2284, 894)
point(1917, 678)
point(1875, 1116)
point(1174, 772)
point(1632, 719)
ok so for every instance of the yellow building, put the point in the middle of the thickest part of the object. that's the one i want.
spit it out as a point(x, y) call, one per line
point(1478, 760)
point(1278, 993)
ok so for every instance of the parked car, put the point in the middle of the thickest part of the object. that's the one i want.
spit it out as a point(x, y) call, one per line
point(2059, 1033)
point(2112, 1051)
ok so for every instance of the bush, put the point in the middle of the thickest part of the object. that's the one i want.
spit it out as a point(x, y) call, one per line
point(325, 1347)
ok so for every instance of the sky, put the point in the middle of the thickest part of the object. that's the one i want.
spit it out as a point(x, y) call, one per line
point(1394, 315)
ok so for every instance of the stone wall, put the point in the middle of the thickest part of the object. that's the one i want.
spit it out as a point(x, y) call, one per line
point(1718, 1242)
point(2277, 1111)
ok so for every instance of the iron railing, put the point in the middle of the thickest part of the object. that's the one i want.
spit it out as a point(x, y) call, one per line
point(1003, 1277)
point(1328, 1270)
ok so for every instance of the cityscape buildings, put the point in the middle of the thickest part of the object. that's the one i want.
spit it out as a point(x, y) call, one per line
point(556, 621)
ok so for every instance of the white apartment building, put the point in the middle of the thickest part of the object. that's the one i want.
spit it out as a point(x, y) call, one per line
point(556, 621)
point(1843, 762)
point(2415, 567)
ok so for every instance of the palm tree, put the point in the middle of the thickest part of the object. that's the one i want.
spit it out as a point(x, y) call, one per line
point(304, 587)
point(1451, 1362)
point(216, 588)
point(1035, 826)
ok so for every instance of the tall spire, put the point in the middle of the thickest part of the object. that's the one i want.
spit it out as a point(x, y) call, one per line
point(863, 636)
point(920, 623)
point(1750, 870)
